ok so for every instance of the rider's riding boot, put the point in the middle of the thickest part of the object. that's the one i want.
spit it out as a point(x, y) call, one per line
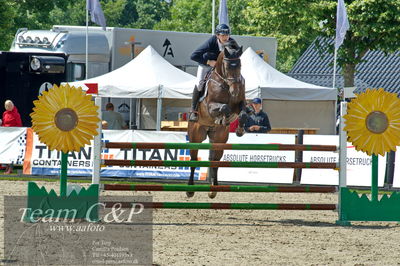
point(194, 117)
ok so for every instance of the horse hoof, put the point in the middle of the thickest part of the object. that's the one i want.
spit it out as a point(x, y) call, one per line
point(189, 194)
point(212, 194)
point(239, 132)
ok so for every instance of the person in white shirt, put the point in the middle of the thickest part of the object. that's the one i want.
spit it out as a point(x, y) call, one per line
point(114, 119)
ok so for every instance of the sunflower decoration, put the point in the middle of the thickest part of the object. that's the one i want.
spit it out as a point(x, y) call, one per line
point(373, 122)
point(65, 118)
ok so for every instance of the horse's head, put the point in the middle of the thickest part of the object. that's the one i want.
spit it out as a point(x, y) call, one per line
point(230, 68)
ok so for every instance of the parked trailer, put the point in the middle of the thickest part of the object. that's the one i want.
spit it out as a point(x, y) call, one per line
point(108, 50)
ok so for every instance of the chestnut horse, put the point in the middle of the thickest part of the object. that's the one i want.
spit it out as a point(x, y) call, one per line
point(224, 102)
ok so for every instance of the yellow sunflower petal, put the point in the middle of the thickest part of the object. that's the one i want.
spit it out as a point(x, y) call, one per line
point(367, 139)
point(72, 136)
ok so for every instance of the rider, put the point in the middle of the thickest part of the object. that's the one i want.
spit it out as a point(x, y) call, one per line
point(206, 55)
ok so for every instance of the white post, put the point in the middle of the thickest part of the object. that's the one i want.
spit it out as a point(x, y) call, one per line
point(138, 112)
point(334, 69)
point(130, 113)
point(213, 18)
point(159, 108)
point(87, 45)
point(342, 163)
point(342, 147)
point(96, 151)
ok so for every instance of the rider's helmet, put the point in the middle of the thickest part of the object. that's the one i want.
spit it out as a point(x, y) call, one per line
point(223, 29)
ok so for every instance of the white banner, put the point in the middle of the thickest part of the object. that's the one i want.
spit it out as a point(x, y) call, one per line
point(261, 175)
point(12, 145)
point(40, 161)
point(358, 164)
point(396, 176)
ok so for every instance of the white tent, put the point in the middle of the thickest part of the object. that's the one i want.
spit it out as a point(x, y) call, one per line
point(142, 78)
point(148, 76)
point(288, 102)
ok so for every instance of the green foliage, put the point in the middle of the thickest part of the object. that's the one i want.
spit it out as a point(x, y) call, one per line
point(192, 16)
point(150, 12)
point(129, 14)
point(292, 22)
point(7, 15)
point(374, 24)
point(113, 10)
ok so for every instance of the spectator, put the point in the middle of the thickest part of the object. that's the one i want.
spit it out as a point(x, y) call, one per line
point(257, 121)
point(234, 125)
point(104, 124)
point(11, 118)
point(114, 119)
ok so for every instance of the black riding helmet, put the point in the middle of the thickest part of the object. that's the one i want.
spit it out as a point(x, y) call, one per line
point(223, 29)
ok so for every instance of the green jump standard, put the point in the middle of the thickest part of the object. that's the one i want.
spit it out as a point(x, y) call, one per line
point(355, 207)
point(47, 204)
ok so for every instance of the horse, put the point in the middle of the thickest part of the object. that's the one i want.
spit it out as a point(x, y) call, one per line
point(223, 103)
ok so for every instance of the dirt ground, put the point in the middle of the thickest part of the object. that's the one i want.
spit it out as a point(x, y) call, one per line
point(245, 237)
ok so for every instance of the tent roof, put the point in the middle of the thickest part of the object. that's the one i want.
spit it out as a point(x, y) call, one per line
point(276, 85)
point(142, 77)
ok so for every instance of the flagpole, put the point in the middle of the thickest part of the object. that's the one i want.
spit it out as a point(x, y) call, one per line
point(87, 43)
point(213, 17)
point(334, 69)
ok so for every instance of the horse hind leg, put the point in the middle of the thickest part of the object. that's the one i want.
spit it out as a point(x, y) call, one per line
point(196, 134)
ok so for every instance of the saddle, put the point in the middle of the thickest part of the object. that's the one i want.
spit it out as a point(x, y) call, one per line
point(203, 85)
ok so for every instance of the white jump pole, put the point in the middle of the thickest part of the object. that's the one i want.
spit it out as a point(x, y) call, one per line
point(96, 151)
point(342, 154)
point(343, 147)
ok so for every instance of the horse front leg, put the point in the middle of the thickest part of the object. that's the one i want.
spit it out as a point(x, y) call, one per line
point(242, 119)
point(193, 157)
point(213, 171)
point(220, 112)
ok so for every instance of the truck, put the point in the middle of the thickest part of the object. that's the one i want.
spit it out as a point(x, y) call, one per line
point(39, 58)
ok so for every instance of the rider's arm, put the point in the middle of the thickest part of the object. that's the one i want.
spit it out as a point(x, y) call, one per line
point(205, 52)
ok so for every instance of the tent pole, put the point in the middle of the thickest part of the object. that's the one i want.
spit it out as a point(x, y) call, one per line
point(130, 113)
point(159, 109)
point(138, 112)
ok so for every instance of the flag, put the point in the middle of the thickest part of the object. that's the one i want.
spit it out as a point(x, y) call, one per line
point(223, 13)
point(342, 24)
point(96, 13)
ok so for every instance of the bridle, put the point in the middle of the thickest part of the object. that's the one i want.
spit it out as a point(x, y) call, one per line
point(234, 62)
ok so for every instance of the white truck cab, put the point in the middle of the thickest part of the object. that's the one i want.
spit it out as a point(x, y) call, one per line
point(72, 44)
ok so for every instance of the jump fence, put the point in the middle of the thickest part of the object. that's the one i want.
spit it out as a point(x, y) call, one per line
point(222, 188)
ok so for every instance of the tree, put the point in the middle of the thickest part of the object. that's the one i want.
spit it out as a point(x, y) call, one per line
point(151, 12)
point(293, 22)
point(129, 15)
point(374, 25)
point(192, 16)
point(7, 15)
point(196, 16)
